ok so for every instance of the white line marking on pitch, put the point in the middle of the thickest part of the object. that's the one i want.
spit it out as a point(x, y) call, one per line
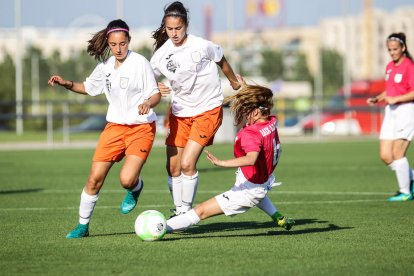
point(218, 192)
point(165, 206)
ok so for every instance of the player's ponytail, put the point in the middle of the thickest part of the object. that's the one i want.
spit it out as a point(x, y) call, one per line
point(175, 9)
point(98, 45)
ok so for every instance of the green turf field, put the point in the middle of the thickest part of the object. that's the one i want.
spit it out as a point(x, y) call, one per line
point(336, 191)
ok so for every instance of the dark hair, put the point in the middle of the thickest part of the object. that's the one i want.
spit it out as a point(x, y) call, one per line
point(98, 46)
point(248, 99)
point(175, 9)
point(400, 37)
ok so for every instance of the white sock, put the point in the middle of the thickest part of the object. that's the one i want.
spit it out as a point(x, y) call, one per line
point(177, 185)
point(403, 173)
point(182, 222)
point(267, 206)
point(189, 189)
point(138, 186)
point(87, 204)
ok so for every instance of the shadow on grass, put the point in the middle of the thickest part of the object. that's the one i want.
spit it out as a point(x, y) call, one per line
point(111, 234)
point(21, 191)
point(204, 230)
point(215, 169)
point(249, 225)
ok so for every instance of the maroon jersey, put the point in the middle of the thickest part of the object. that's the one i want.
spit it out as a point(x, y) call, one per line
point(263, 138)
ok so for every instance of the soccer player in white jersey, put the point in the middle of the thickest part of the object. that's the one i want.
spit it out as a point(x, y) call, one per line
point(189, 63)
point(256, 151)
point(397, 128)
point(127, 80)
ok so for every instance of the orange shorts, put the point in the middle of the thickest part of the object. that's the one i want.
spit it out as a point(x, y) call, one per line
point(200, 128)
point(116, 141)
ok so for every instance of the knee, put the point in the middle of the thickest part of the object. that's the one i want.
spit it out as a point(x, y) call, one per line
point(172, 170)
point(188, 168)
point(94, 184)
point(386, 158)
point(396, 155)
point(128, 181)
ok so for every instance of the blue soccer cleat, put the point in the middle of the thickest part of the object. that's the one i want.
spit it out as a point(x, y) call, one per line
point(81, 231)
point(400, 197)
point(130, 200)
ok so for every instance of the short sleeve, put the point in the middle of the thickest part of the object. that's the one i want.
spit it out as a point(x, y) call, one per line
point(410, 77)
point(95, 83)
point(214, 52)
point(150, 84)
point(154, 66)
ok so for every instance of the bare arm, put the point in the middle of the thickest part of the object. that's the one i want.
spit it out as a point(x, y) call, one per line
point(77, 87)
point(149, 103)
point(248, 160)
point(228, 72)
point(409, 97)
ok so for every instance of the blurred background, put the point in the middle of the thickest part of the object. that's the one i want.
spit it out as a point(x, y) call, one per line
point(322, 59)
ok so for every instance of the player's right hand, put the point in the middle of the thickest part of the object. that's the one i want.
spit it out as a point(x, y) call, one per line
point(372, 100)
point(56, 79)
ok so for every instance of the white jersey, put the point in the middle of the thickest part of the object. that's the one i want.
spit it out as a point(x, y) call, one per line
point(193, 75)
point(125, 88)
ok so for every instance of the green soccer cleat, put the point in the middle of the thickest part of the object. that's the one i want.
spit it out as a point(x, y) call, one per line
point(81, 231)
point(130, 200)
point(400, 197)
point(285, 222)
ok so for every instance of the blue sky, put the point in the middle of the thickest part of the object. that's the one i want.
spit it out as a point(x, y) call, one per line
point(148, 13)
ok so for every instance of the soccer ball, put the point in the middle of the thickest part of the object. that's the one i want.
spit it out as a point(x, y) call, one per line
point(150, 225)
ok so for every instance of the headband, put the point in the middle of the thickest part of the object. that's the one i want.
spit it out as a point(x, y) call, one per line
point(116, 30)
point(173, 13)
point(396, 39)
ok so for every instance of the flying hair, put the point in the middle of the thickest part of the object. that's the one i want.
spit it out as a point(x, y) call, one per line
point(249, 98)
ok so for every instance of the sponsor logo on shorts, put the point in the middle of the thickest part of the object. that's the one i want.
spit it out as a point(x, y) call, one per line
point(143, 150)
point(203, 136)
point(226, 197)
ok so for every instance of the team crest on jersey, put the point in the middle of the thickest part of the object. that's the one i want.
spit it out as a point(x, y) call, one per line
point(398, 78)
point(172, 66)
point(123, 82)
point(196, 56)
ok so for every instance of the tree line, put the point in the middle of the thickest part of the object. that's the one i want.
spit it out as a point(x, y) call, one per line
point(275, 64)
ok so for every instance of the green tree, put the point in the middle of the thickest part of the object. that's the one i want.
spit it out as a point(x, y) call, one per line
point(7, 87)
point(145, 51)
point(272, 66)
point(332, 71)
point(300, 70)
point(33, 54)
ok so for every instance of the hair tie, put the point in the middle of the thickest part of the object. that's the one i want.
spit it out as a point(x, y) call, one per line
point(116, 30)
